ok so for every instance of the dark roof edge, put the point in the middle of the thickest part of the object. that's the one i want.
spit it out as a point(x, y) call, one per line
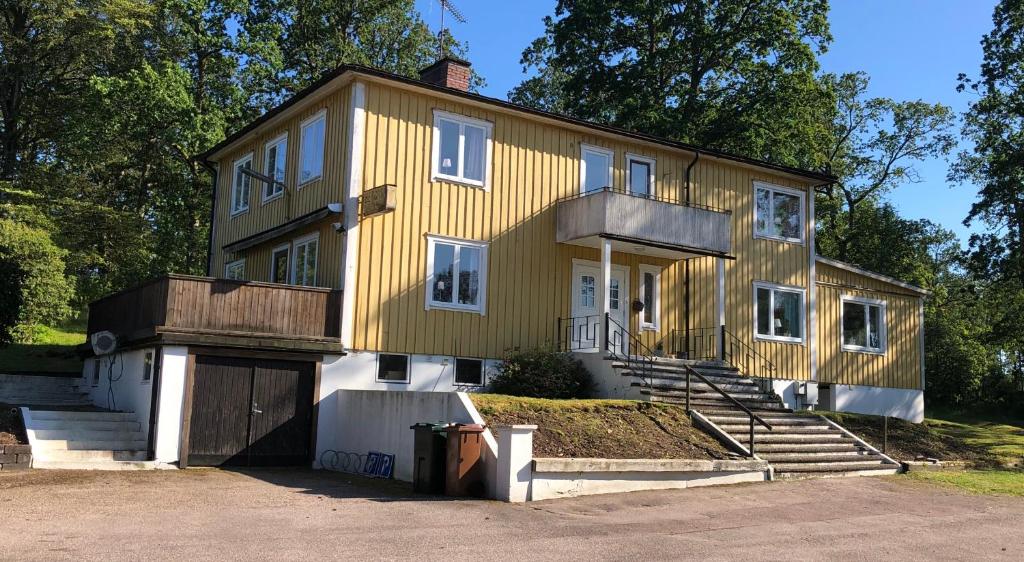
point(337, 72)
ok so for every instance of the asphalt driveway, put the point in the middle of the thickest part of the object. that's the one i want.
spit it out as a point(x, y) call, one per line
point(292, 515)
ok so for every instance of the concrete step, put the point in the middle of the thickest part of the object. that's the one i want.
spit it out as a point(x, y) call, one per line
point(86, 425)
point(815, 458)
point(82, 416)
point(87, 435)
point(135, 444)
point(780, 430)
point(769, 437)
point(48, 403)
point(782, 420)
point(33, 380)
point(736, 390)
point(94, 465)
point(884, 470)
point(717, 377)
point(700, 403)
point(811, 447)
point(832, 466)
point(89, 455)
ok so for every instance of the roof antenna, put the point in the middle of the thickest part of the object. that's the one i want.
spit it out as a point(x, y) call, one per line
point(446, 5)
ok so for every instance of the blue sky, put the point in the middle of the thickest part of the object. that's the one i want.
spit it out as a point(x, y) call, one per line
point(912, 49)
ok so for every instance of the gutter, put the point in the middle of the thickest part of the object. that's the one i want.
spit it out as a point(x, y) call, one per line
point(686, 265)
point(213, 214)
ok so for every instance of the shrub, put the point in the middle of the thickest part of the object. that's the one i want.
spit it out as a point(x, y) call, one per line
point(33, 288)
point(542, 373)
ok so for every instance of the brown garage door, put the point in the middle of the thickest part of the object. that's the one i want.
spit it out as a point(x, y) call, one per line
point(251, 412)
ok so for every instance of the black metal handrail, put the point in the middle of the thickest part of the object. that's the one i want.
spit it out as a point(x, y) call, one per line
point(630, 350)
point(662, 199)
point(579, 333)
point(690, 371)
point(702, 344)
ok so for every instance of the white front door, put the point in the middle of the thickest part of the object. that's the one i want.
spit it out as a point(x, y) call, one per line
point(584, 326)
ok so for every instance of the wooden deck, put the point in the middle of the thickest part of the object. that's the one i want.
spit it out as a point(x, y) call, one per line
point(205, 310)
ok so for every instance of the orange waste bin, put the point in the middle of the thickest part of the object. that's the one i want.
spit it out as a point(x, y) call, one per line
point(465, 463)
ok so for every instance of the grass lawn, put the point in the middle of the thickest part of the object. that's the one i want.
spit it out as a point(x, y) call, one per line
point(53, 352)
point(615, 429)
point(994, 482)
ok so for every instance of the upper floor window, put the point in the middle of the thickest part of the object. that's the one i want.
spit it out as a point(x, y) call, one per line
point(311, 148)
point(595, 168)
point(240, 184)
point(778, 312)
point(456, 273)
point(650, 281)
point(863, 324)
point(279, 264)
point(274, 166)
point(778, 213)
point(304, 255)
point(640, 175)
point(235, 270)
point(462, 147)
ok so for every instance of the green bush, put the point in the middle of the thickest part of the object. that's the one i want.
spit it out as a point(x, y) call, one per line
point(542, 373)
point(33, 288)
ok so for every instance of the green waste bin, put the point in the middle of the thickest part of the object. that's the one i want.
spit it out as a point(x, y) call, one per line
point(429, 455)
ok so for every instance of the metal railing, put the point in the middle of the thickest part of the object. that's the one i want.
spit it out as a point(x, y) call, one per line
point(651, 197)
point(702, 344)
point(752, 417)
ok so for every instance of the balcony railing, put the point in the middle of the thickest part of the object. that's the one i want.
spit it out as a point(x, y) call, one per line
point(206, 306)
point(634, 219)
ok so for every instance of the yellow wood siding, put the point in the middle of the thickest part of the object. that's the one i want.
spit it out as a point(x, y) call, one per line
point(900, 365)
point(296, 201)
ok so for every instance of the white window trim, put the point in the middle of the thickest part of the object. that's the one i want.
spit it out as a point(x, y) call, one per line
point(656, 300)
point(481, 306)
point(883, 330)
point(152, 366)
point(771, 306)
point(408, 369)
point(584, 149)
point(235, 166)
point(630, 158)
point(288, 272)
point(487, 126)
point(483, 373)
point(231, 264)
point(276, 141)
point(322, 114)
point(292, 278)
point(803, 212)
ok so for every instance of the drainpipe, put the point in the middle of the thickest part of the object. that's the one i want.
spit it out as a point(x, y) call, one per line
point(686, 266)
point(213, 214)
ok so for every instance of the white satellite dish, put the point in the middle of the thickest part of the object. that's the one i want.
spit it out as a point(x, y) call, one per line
point(103, 342)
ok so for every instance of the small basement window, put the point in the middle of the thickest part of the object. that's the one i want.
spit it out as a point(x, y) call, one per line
point(863, 324)
point(392, 368)
point(147, 367)
point(469, 372)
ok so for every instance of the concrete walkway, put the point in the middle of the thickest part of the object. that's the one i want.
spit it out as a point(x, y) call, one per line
point(291, 515)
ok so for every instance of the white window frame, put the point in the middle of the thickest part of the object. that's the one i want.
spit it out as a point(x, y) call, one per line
point(288, 272)
point(233, 264)
point(480, 307)
point(462, 120)
point(293, 279)
point(483, 373)
point(883, 331)
point(408, 369)
point(606, 152)
point(147, 371)
point(802, 195)
point(322, 114)
point(282, 154)
point(656, 297)
point(771, 307)
point(236, 166)
point(651, 162)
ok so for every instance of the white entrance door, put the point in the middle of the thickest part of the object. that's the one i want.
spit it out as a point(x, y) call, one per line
point(586, 319)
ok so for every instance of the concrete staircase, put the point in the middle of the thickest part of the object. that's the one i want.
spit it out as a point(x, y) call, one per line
point(799, 445)
point(25, 390)
point(84, 440)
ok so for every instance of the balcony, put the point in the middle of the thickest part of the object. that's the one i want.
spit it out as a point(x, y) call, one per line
point(644, 225)
point(186, 310)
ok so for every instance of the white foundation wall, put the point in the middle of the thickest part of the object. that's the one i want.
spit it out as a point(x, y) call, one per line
point(170, 408)
point(427, 373)
point(120, 386)
point(902, 403)
point(806, 399)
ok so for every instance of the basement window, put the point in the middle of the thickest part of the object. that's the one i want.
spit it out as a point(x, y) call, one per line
point(392, 368)
point(469, 372)
point(863, 322)
point(461, 148)
point(778, 313)
point(147, 367)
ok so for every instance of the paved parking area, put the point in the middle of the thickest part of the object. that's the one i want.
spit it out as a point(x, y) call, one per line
point(291, 515)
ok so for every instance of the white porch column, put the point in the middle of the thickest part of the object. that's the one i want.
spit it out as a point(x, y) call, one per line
point(515, 462)
point(606, 281)
point(720, 305)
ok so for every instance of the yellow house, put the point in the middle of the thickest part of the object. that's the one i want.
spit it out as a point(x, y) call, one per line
point(460, 227)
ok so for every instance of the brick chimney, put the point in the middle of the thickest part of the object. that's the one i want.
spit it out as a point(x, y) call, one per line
point(448, 72)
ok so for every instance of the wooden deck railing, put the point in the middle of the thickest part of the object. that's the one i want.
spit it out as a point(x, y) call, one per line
point(206, 305)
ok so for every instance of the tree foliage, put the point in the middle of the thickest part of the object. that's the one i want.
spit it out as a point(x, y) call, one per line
point(34, 290)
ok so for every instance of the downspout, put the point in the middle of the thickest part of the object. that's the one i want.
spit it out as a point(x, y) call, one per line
point(686, 265)
point(213, 214)
point(812, 289)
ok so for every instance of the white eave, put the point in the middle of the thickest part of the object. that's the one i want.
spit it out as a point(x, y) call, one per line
point(876, 276)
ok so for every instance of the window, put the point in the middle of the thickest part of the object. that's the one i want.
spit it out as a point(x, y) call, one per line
point(461, 149)
point(595, 168)
point(469, 372)
point(640, 175)
point(311, 148)
point(392, 368)
point(240, 184)
point(279, 264)
point(613, 294)
point(274, 166)
point(588, 291)
point(778, 213)
point(235, 270)
point(650, 282)
point(778, 312)
point(863, 324)
point(147, 367)
point(456, 274)
point(304, 260)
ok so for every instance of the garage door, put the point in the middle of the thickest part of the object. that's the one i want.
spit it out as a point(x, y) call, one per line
point(251, 412)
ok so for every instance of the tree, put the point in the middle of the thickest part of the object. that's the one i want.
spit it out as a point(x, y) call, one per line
point(35, 291)
point(735, 75)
